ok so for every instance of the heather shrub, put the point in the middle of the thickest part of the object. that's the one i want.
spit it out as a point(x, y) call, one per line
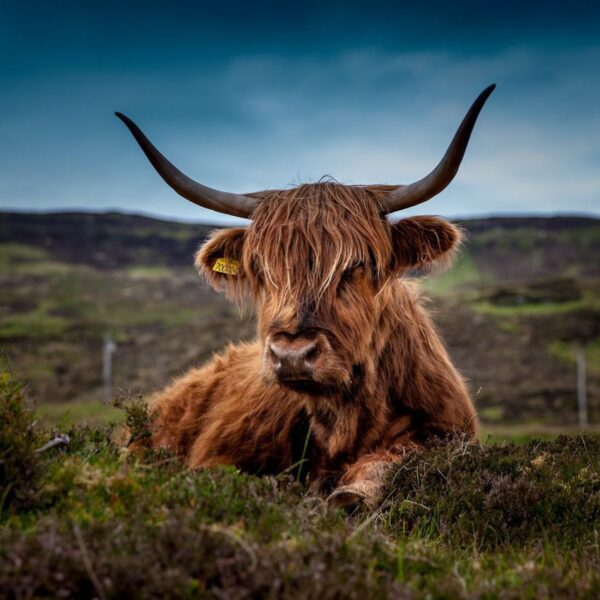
point(500, 494)
point(20, 465)
point(458, 521)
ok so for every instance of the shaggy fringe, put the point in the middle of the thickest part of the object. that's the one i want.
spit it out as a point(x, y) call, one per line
point(326, 227)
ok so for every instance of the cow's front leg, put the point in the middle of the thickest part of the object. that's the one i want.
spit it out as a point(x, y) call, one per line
point(364, 481)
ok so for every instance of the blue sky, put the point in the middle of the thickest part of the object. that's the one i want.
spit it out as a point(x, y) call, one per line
point(252, 95)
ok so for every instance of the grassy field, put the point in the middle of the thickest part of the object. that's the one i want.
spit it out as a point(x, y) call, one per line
point(61, 416)
point(517, 356)
point(522, 295)
point(458, 521)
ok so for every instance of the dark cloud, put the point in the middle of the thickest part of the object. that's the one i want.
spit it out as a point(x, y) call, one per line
point(247, 95)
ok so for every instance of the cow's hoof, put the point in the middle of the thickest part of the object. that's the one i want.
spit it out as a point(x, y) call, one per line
point(354, 494)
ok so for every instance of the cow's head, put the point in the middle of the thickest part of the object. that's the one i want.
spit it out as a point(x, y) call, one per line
point(318, 260)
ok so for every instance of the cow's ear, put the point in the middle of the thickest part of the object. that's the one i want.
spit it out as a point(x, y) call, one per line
point(424, 242)
point(219, 260)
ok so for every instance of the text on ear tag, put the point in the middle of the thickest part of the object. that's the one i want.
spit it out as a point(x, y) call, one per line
point(227, 266)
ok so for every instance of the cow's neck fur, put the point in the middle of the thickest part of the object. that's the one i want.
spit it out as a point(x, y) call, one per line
point(404, 371)
point(403, 376)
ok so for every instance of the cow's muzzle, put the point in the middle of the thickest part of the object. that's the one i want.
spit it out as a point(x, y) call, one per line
point(295, 357)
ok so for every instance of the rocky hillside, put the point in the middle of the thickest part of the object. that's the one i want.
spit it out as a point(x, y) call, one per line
point(523, 294)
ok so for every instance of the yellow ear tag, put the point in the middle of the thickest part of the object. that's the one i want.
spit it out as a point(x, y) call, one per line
point(227, 266)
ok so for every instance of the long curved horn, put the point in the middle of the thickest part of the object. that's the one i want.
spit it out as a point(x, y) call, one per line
point(406, 196)
point(237, 205)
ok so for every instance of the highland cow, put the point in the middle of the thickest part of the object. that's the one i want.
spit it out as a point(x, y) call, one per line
point(347, 372)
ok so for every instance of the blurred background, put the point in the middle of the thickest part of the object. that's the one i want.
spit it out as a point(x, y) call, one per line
point(99, 296)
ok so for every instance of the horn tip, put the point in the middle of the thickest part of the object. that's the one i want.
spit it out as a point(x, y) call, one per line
point(121, 116)
point(482, 98)
point(488, 90)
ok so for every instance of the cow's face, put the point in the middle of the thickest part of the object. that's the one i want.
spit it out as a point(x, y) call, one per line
point(319, 261)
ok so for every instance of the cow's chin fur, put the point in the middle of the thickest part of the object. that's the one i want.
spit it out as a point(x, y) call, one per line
point(309, 387)
point(332, 380)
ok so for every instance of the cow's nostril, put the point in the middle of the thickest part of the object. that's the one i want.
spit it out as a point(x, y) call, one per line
point(273, 357)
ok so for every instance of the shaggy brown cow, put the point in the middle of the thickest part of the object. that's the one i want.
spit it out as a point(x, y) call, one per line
point(344, 349)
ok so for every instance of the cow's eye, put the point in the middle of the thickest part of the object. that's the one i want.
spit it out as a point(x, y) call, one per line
point(347, 276)
point(256, 272)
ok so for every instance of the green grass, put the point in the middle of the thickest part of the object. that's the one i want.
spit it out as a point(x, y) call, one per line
point(71, 305)
point(34, 324)
point(491, 413)
point(145, 272)
point(24, 259)
point(585, 237)
point(129, 317)
point(522, 239)
point(96, 413)
point(14, 255)
point(458, 521)
point(89, 412)
point(462, 273)
point(549, 308)
point(524, 433)
point(566, 352)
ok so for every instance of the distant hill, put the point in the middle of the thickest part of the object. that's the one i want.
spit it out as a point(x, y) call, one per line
point(520, 248)
point(506, 249)
point(105, 240)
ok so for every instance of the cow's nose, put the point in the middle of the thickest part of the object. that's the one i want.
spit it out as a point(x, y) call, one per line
point(293, 359)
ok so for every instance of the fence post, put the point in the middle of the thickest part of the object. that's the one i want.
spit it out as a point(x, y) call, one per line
point(581, 388)
point(108, 350)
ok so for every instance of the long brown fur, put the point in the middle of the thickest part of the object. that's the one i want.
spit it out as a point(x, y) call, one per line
point(322, 257)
